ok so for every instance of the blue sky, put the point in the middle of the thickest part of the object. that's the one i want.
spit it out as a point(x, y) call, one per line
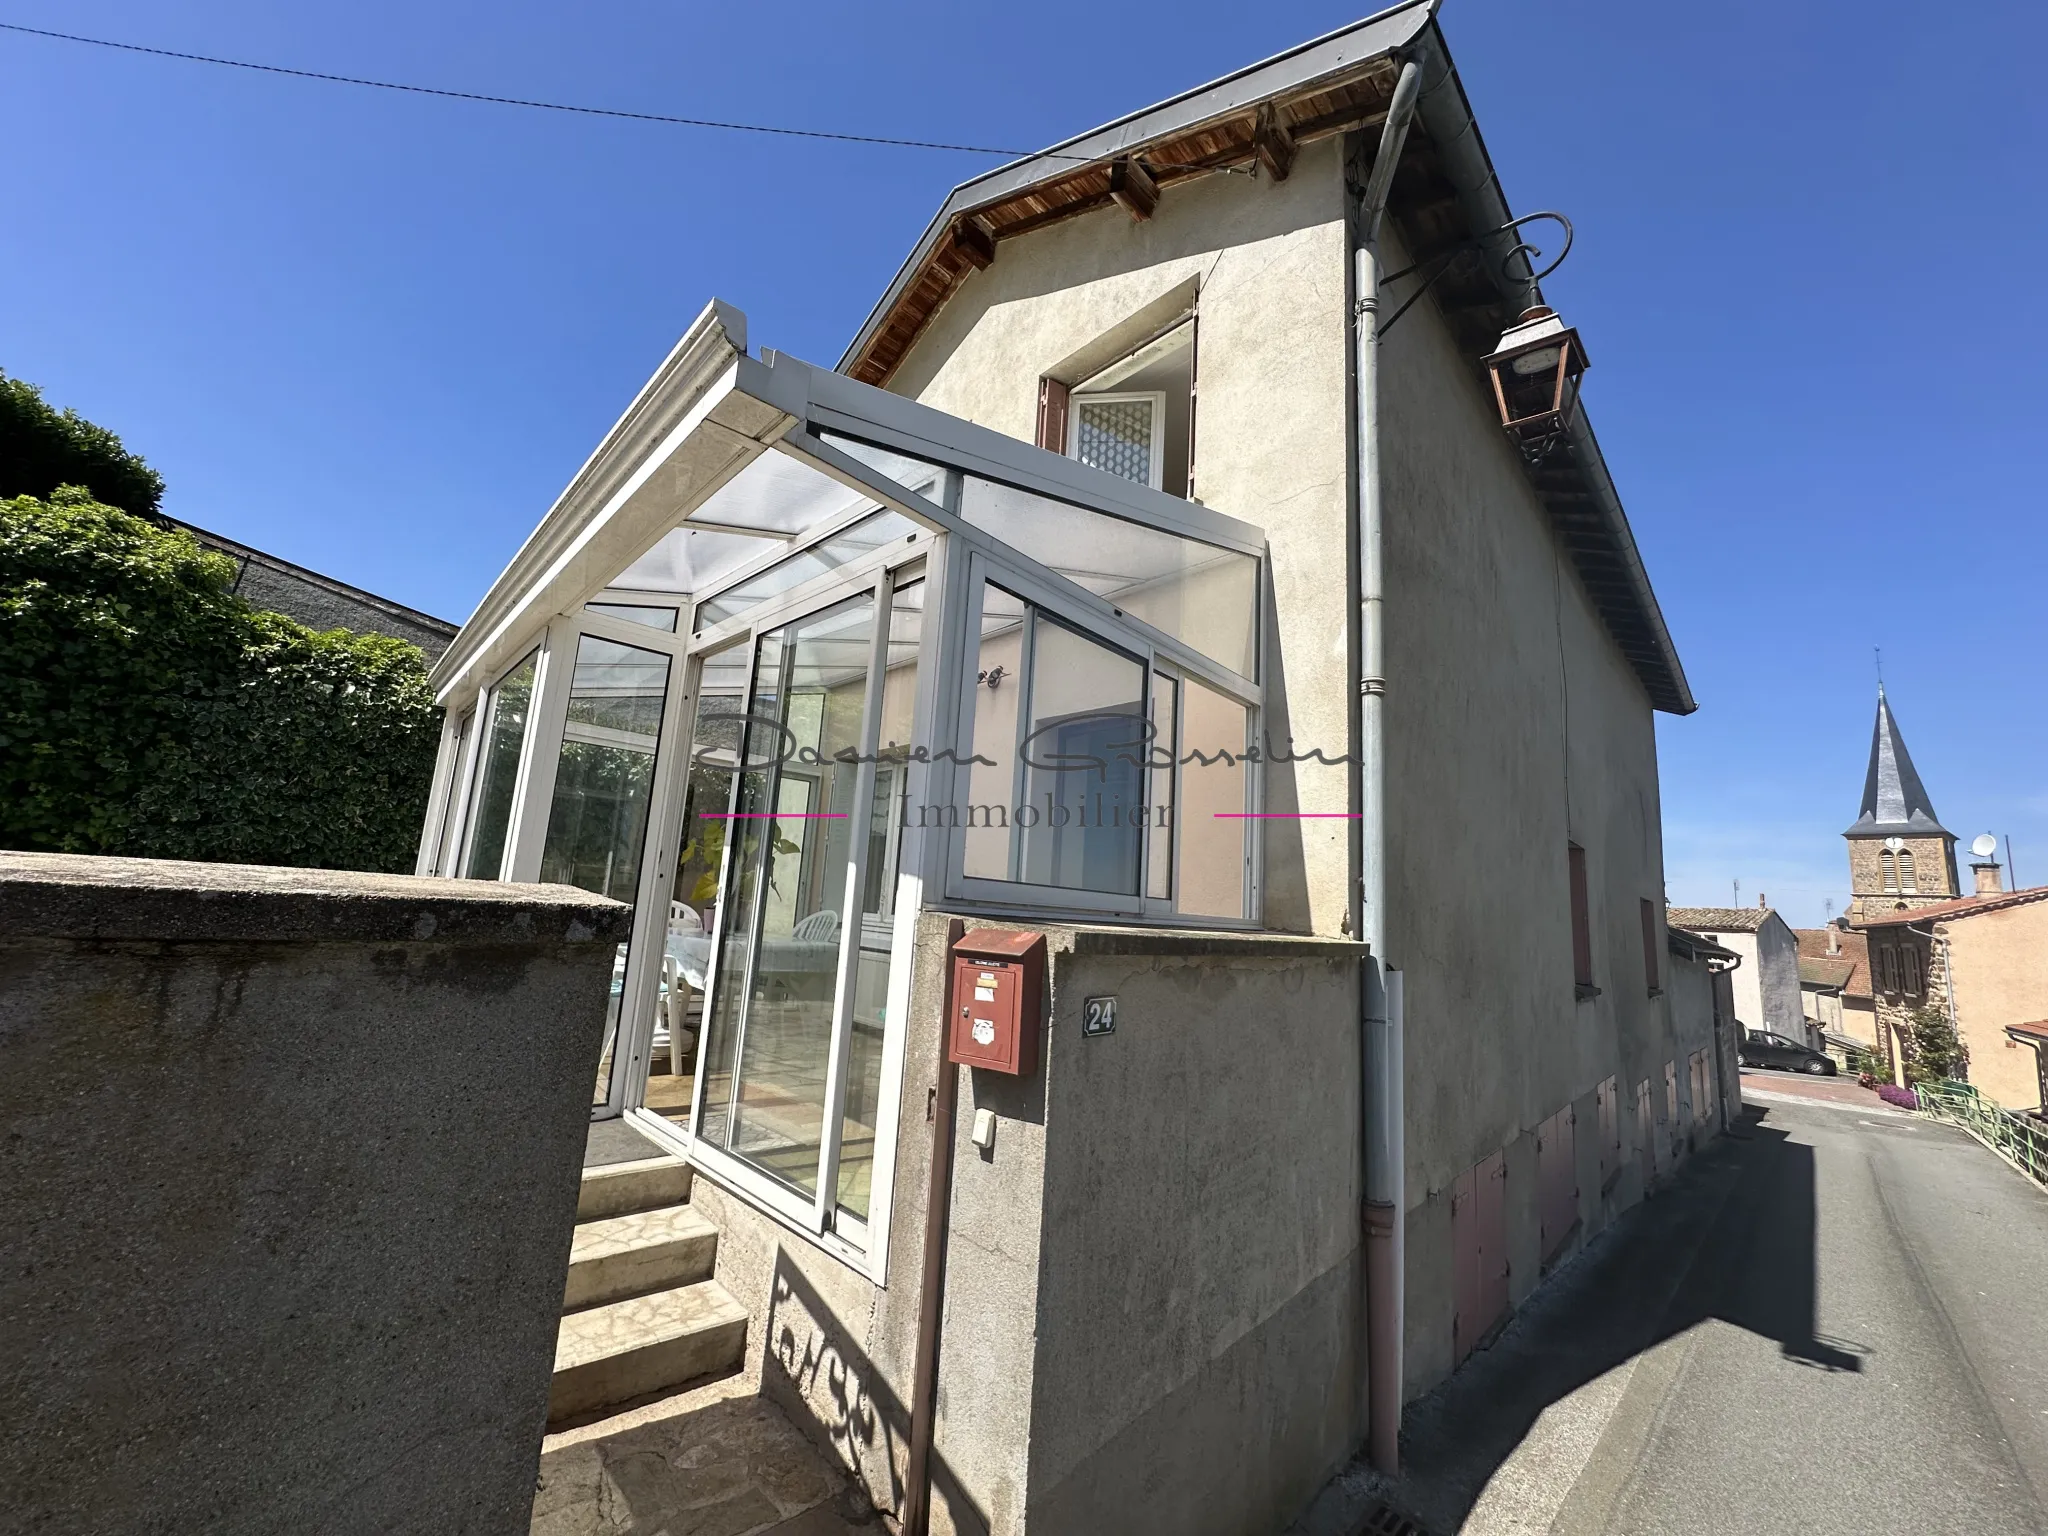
point(377, 333)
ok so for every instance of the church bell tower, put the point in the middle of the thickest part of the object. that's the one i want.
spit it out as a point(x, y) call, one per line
point(1900, 855)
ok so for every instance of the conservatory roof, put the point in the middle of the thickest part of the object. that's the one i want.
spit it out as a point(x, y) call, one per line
point(688, 493)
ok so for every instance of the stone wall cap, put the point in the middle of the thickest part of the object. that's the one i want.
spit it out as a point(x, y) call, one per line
point(85, 896)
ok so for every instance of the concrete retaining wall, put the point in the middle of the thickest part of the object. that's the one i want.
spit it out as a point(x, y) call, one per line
point(288, 1170)
point(1154, 1302)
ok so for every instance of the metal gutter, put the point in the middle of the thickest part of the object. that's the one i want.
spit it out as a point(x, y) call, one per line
point(1382, 1096)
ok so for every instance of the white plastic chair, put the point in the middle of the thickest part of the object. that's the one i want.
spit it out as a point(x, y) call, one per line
point(820, 927)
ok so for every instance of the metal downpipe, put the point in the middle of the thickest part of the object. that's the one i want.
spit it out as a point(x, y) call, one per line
point(1381, 1108)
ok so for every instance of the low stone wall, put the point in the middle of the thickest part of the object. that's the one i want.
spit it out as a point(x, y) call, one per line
point(288, 1172)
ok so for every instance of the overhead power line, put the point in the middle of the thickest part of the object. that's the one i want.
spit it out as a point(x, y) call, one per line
point(543, 106)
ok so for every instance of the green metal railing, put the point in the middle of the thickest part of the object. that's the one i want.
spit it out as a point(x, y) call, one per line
point(2018, 1139)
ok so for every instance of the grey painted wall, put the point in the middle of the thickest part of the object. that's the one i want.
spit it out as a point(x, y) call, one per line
point(288, 1171)
point(1153, 1295)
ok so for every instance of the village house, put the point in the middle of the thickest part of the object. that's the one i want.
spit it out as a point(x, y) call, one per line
point(1767, 981)
point(1065, 763)
point(1834, 982)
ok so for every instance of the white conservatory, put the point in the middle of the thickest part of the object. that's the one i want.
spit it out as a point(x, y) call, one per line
point(793, 659)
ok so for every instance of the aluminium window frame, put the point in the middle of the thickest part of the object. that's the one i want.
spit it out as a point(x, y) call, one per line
point(1157, 654)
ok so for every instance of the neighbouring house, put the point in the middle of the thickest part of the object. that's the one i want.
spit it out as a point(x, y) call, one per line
point(317, 601)
point(1834, 981)
point(1767, 984)
point(1984, 961)
point(1048, 785)
point(1702, 988)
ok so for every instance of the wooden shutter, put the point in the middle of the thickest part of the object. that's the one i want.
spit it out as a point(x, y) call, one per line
point(1582, 925)
point(1650, 945)
point(1052, 415)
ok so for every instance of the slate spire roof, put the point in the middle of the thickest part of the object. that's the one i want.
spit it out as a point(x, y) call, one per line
point(1895, 802)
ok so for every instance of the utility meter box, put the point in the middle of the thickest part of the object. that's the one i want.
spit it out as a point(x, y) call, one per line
point(998, 995)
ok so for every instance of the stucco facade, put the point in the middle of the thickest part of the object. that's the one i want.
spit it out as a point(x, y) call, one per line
point(1515, 726)
point(1998, 974)
point(1766, 984)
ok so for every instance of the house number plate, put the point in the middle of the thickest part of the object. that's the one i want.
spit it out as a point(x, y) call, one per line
point(1098, 1016)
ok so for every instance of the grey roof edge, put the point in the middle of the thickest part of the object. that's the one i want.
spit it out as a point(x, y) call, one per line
point(221, 542)
point(1453, 127)
point(1615, 516)
point(1348, 46)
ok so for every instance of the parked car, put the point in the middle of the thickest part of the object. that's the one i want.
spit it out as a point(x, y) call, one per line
point(1761, 1048)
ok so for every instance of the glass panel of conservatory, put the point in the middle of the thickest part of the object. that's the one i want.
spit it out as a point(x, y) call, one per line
point(693, 896)
point(1212, 828)
point(604, 783)
point(1080, 818)
point(778, 495)
point(778, 1119)
point(776, 992)
point(992, 781)
point(843, 548)
point(497, 770)
point(748, 824)
point(605, 775)
point(635, 613)
point(451, 817)
point(878, 902)
point(1159, 793)
point(921, 476)
point(1205, 596)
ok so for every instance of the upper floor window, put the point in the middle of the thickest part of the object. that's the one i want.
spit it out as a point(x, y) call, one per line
point(1906, 882)
point(1133, 418)
point(1887, 869)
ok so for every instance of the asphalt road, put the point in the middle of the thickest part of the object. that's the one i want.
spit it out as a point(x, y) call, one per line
point(1836, 1321)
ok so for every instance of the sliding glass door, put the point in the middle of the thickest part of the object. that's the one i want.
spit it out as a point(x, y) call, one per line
point(785, 896)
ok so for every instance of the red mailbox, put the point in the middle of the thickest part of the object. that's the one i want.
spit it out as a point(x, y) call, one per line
point(998, 992)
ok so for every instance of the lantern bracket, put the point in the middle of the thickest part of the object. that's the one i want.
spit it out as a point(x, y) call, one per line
point(1441, 262)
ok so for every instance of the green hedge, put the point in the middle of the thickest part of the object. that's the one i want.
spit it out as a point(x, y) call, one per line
point(42, 448)
point(146, 710)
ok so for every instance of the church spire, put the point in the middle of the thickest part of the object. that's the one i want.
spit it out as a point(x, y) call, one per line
point(1895, 802)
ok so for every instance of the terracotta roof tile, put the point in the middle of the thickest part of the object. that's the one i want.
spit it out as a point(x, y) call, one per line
point(1850, 946)
point(1719, 919)
point(1966, 906)
point(1826, 973)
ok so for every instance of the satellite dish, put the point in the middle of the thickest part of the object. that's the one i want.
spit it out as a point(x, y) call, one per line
point(1895, 843)
point(1985, 846)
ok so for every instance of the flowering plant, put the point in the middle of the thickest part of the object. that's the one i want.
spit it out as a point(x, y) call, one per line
point(1904, 1098)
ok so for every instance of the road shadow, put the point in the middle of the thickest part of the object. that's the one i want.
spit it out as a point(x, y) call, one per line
point(1731, 1235)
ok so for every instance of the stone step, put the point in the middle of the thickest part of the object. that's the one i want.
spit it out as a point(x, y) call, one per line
point(620, 1189)
point(624, 1256)
point(628, 1349)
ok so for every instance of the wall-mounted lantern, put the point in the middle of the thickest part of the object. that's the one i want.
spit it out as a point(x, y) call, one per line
point(1535, 372)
